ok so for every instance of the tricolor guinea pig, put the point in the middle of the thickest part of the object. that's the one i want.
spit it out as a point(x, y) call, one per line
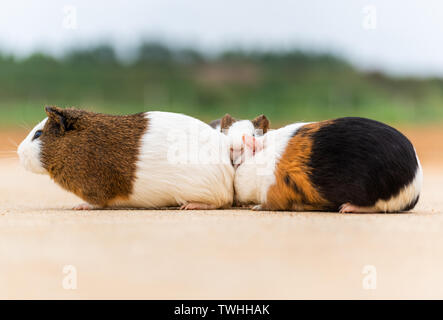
point(235, 130)
point(150, 160)
point(346, 164)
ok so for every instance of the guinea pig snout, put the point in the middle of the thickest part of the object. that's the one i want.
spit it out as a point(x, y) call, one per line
point(29, 156)
point(21, 153)
point(237, 149)
point(236, 157)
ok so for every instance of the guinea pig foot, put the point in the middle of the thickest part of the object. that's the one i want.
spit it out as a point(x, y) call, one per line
point(258, 207)
point(197, 206)
point(84, 206)
point(350, 208)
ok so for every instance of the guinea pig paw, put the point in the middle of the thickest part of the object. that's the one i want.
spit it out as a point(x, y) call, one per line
point(258, 207)
point(346, 208)
point(350, 208)
point(197, 206)
point(84, 206)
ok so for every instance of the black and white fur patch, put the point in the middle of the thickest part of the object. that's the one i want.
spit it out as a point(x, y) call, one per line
point(366, 163)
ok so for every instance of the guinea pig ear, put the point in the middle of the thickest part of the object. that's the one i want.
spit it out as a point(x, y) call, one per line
point(261, 123)
point(60, 116)
point(226, 122)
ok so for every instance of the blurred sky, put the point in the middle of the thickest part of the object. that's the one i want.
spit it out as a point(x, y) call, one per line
point(407, 38)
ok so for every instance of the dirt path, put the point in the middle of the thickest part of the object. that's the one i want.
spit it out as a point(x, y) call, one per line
point(214, 254)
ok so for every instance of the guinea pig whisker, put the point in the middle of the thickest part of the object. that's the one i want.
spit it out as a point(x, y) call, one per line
point(13, 142)
point(25, 126)
point(25, 123)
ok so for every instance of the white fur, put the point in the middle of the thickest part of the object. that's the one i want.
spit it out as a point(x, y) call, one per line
point(235, 135)
point(239, 128)
point(254, 177)
point(174, 167)
point(407, 195)
point(29, 151)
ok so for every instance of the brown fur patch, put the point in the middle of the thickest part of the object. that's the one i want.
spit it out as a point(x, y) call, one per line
point(226, 122)
point(92, 155)
point(261, 123)
point(293, 189)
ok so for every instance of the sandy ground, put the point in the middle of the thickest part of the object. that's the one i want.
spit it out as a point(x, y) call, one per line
point(224, 254)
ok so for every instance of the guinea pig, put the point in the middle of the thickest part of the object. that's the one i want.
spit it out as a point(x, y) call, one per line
point(346, 165)
point(237, 129)
point(149, 160)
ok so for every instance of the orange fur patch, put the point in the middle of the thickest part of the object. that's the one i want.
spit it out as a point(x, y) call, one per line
point(293, 189)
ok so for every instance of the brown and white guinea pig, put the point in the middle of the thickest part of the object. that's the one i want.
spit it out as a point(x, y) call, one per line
point(235, 130)
point(346, 164)
point(150, 160)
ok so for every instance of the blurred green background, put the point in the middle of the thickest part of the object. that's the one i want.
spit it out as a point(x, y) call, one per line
point(287, 86)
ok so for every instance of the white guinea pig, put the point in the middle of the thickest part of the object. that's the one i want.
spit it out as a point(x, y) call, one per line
point(236, 130)
point(150, 160)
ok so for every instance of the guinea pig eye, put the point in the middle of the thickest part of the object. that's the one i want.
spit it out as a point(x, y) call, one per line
point(37, 134)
